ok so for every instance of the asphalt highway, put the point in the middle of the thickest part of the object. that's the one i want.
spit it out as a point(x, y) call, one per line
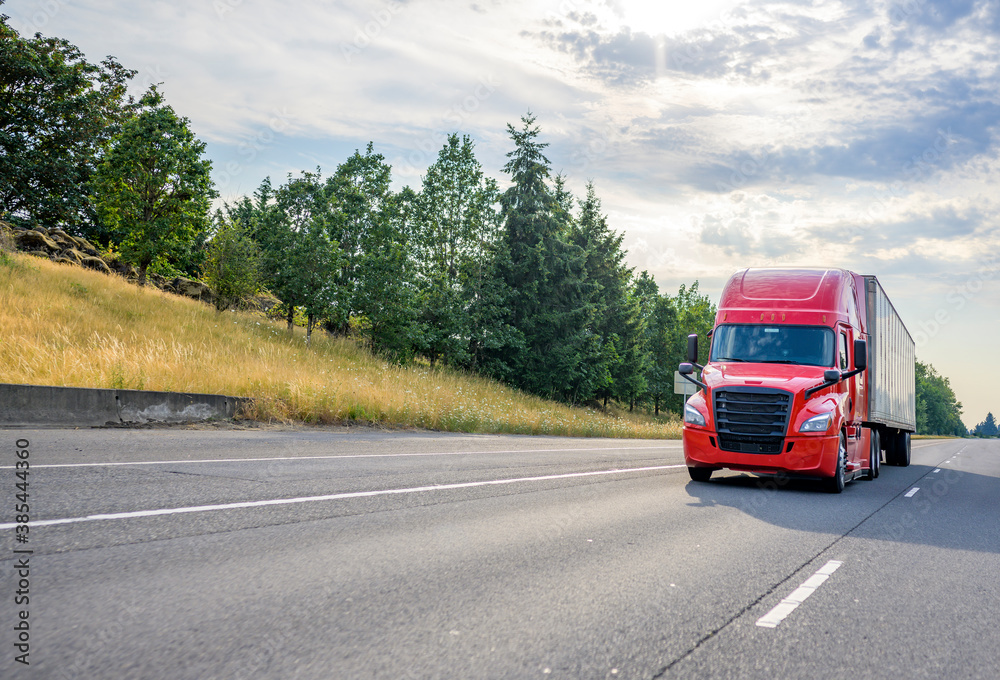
point(354, 553)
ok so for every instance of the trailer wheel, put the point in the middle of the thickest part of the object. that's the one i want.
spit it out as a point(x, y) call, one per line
point(892, 449)
point(897, 450)
point(700, 474)
point(836, 483)
point(874, 457)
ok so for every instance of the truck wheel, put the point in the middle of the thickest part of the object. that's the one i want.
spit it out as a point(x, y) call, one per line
point(700, 474)
point(903, 440)
point(836, 483)
point(874, 457)
point(892, 449)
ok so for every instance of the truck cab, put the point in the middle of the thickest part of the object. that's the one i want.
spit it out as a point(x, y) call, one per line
point(786, 387)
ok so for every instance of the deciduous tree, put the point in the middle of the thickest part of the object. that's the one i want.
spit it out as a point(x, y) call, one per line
point(456, 222)
point(938, 410)
point(57, 113)
point(153, 188)
point(373, 226)
point(232, 264)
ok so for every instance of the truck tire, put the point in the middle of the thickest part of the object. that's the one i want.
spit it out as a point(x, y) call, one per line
point(904, 449)
point(700, 474)
point(892, 448)
point(897, 449)
point(874, 456)
point(836, 483)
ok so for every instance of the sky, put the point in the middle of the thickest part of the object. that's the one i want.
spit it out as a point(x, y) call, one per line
point(718, 134)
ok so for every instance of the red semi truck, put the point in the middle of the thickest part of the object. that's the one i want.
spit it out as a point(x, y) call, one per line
point(810, 374)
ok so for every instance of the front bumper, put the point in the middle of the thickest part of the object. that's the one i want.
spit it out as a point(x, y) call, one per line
point(810, 456)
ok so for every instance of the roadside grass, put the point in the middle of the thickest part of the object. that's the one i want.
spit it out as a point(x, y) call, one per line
point(63, 325)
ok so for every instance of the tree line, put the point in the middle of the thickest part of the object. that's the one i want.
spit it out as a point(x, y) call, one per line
point(528, 285)
point(987, 428)
point(938, 410)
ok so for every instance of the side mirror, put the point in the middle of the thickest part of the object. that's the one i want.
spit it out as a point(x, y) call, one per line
point(831, 375)
point(860, 354)
point(685, 369)
point(693, 348)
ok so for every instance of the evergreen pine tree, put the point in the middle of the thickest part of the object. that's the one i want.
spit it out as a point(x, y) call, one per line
point(618, 357)
point(549, 303)
point(987, 428)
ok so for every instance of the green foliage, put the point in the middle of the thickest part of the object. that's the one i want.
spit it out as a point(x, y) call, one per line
point(550, 303)
point(694, 313)
point(617, 359)
point(153, 189)
point(660, 322)
point(300, 258)
point(938, 410)
point(455, 227)
point(232, 264)
point(987, 428)
point(57, 114)
point(373, 227)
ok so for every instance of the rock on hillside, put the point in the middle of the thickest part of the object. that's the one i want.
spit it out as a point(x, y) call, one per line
point(58, 246)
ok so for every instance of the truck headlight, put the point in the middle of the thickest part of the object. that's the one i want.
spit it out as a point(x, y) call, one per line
point(820, 423)
point(693, 416)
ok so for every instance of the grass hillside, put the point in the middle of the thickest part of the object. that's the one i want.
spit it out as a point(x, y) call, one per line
point(63, 325)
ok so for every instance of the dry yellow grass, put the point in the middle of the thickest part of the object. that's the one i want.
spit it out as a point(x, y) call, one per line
point(63, 325)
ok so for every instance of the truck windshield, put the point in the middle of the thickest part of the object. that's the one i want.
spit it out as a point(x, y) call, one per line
point(809, 345)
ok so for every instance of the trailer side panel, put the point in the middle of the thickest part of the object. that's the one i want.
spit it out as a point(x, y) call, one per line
point(892, 397)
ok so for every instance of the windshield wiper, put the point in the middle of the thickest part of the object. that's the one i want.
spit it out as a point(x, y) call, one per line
point(729, 359)
point(779, 361)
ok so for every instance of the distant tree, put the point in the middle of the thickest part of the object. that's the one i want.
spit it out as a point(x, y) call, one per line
point(549, 304)
point(373, 226)
point(455, 223)
point(232, 264)
point(617, 358)
point(153, 188)
point(57, 114)
point(301, 259)
point(695, 313)
point(660, 323)
point(491, 333)
point(987, 428)
point(938, 410)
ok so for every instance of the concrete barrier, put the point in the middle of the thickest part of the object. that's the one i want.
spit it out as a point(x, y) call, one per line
point(39, 405)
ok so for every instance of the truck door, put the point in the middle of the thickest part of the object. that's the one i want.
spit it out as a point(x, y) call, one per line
point(851, 387)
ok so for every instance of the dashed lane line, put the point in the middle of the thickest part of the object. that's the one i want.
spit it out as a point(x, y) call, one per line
point(798, 596)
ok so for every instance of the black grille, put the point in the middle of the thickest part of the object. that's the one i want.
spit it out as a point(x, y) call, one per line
point(751, 419)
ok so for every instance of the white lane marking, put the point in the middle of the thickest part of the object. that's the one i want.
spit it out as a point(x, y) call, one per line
point(332, 497)
point(353, 455)
point(911, 492)
point(937, 470)
point(798, 596)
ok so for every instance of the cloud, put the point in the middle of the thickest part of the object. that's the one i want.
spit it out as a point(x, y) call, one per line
point(936, 14)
